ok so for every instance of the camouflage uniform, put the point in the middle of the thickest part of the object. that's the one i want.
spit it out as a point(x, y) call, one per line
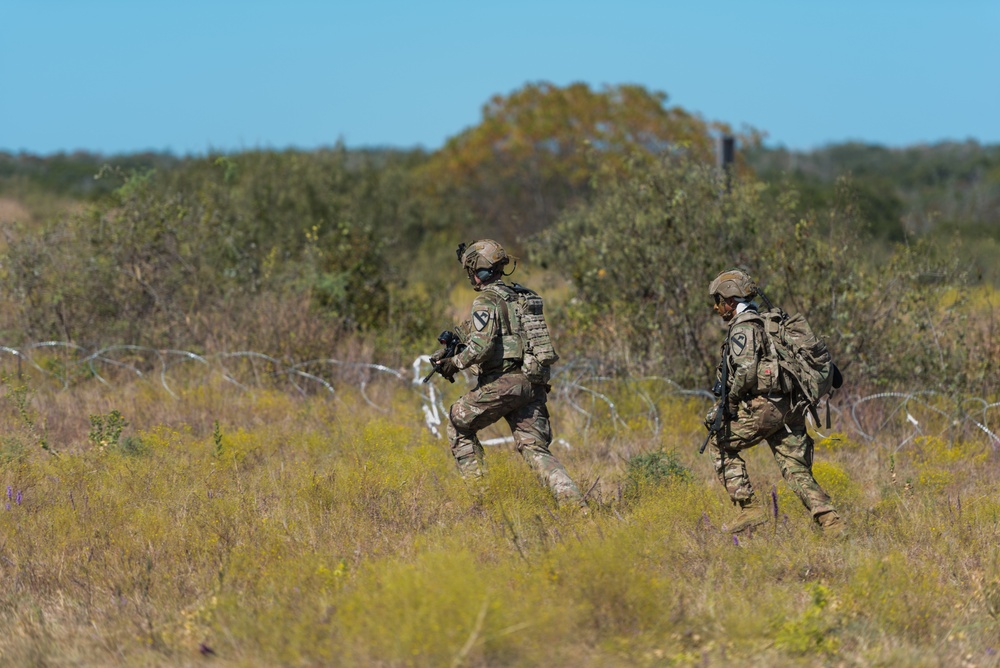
point(759, 411)
point(503, 391)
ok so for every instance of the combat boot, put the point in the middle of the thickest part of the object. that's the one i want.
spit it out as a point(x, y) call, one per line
point(469, 468)
point(832, 524)
point(752, 513)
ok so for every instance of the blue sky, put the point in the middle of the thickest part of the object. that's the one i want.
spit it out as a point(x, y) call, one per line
point(190, 77)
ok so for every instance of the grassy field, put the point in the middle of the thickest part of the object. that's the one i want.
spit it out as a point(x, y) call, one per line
point(223, 526)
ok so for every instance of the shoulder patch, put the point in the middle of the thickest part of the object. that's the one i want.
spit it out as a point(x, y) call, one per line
point(480, 319)
point(738, 342)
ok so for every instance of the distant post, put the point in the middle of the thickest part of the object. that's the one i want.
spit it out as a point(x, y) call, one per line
point(728, 158)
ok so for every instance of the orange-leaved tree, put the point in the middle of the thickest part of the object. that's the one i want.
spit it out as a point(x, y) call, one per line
point(535, 151)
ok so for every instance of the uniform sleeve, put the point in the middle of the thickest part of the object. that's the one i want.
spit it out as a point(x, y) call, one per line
point(463, 331)
point(744, 342)
point(482, 333)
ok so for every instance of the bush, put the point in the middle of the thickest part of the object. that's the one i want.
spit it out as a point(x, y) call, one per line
point(642, 255)
point(653, 469)
point(197, 254)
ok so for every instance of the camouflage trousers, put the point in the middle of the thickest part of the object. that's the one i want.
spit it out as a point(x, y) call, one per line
point(522, 404)
point(771, 419)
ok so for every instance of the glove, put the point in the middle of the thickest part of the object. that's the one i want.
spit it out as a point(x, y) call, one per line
point(446, 367)
point(710, 416)
point(438, 354)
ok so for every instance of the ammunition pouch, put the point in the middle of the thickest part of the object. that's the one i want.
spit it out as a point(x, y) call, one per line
point(536, 372)
point(769, 376)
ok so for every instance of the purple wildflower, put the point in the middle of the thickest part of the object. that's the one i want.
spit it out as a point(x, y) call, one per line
point(19, 497)
point(774, 501)
point(8, 505)
point(736, 541)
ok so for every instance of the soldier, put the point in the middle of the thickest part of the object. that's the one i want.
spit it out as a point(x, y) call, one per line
point(495, 354)
point(759, 410)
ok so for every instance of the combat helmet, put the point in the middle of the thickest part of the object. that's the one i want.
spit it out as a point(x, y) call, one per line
point(484, 258)
point(733, 283)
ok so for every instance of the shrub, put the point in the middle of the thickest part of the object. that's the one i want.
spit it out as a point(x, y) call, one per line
point(642, 254)
point(812, 632)
point(653, 469)
point(195, 255)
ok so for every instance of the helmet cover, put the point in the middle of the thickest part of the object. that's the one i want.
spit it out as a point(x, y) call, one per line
point(733, 283)
point(484, 254)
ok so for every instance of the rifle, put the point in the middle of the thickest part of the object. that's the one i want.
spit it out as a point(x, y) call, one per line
point(721, 390)
point(451, 343)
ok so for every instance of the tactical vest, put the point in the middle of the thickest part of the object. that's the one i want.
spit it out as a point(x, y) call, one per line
point(525, 334)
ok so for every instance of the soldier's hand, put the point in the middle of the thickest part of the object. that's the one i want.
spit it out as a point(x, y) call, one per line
point(437, 355)
point(446, 367)
point(710, 416)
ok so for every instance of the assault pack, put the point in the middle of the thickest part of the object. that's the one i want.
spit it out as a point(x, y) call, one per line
point(525, 321)
point(806, 369)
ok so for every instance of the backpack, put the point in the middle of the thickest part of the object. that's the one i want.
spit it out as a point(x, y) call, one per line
point(526, 320)
point(805, 367)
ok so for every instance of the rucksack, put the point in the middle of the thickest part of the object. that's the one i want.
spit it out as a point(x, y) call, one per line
point(526, 320)
point(806, 368)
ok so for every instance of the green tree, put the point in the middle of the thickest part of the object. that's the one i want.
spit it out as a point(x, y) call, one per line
point(285, 252)
point(640, 257)
point(642, 254)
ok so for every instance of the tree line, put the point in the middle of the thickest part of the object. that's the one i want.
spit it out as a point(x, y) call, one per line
point(611, 190)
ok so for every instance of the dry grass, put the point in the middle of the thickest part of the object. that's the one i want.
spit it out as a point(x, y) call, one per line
point(12, 210)
point(268, 529)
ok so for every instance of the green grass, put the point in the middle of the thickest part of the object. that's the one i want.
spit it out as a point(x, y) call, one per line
point(278, 530)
